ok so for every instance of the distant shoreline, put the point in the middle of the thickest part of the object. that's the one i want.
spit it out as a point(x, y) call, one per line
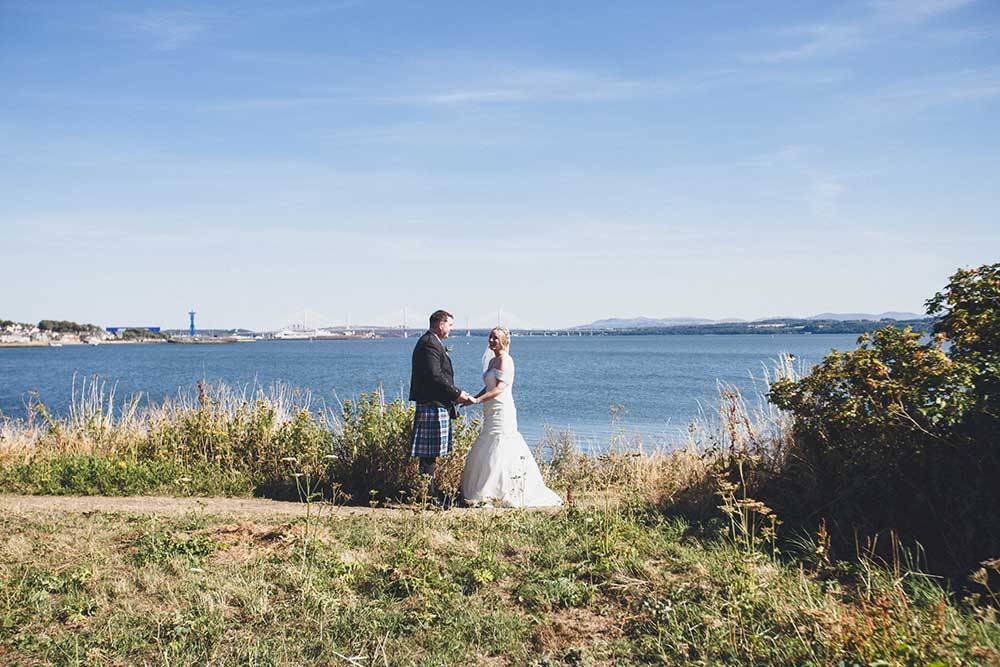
point(561, 334)
point(76, 343)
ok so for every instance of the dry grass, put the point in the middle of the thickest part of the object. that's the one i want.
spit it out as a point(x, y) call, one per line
point(595, 586)
point(273, 441)
point(737, 434)
point(101, 423)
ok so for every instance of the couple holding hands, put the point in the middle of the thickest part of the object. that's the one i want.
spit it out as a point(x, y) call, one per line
point(499, 469)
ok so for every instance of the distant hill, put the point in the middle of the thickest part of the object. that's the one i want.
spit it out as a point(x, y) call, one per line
point(844, 317)
point(774, 326)
point(621, 323)
point(826, 323)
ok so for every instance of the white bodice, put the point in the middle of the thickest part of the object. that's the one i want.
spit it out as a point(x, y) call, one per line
point(494, 375)
point(499, 413)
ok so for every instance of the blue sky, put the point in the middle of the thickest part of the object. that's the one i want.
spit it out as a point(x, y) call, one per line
point(563, 161)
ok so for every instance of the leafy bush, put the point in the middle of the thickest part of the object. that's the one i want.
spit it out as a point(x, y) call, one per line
point(65, 326)
point(901, 434)
point(142, 334)
point(970, 320)
point(371, 453)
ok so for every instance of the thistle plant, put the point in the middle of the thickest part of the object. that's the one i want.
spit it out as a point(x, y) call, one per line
point(752, 524)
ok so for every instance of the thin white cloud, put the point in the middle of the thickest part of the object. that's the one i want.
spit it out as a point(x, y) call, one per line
point(165, 30)
point(813, 42)
point(915, 10)
point(468, 133)
point(823, 40)
point(473, 86)
point(966, 35)
point(933, 91)
point(422, 84)
point(541, 85)
point(271, 103)
point(490, 85)
point(473, 96)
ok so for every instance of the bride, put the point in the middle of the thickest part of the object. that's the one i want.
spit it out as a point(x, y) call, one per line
point(500, 469)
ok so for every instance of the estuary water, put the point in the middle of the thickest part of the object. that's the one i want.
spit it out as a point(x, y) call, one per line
point(663, 382)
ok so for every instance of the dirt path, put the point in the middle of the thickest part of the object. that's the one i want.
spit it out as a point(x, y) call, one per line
point(172, 506)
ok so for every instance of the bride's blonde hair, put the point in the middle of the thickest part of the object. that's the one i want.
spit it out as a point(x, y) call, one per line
point(503, 333)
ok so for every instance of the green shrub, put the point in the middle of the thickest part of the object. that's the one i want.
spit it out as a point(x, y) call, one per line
point(902, 435)
point(969, 310)
point(371, 452)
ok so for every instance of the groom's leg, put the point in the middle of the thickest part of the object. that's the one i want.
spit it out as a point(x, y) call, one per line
point(427, 465)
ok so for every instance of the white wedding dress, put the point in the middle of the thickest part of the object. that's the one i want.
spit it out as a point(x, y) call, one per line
point(500, 469)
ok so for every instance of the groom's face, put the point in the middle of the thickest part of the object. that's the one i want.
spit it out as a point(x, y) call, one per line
point(444, 327)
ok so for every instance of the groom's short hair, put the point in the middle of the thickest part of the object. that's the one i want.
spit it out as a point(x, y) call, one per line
point(440, 316)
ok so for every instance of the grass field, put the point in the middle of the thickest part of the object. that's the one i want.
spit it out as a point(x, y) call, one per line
point(607, 583)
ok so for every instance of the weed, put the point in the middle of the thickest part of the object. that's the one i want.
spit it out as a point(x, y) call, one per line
point(159, 544)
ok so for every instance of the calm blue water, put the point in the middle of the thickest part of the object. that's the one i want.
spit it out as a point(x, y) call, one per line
point(562, 382)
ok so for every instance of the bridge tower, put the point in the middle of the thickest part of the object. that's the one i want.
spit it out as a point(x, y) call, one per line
point(191, 314)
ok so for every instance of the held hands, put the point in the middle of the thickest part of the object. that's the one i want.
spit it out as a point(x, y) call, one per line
point(465, 399)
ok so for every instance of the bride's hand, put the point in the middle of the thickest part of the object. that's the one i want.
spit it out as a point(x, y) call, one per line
point(473, 400)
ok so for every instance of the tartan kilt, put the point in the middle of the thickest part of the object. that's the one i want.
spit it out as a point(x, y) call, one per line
point(431, 432)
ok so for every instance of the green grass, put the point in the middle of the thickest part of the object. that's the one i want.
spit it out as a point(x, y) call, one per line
point(582, 586)
point(89, 474)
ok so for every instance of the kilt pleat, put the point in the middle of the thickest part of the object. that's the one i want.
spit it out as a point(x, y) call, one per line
point(431, 432)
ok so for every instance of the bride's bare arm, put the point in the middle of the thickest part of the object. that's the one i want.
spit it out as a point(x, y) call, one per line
point(492, 393)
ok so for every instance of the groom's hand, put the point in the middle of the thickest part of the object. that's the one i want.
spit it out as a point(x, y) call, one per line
point(465, 399)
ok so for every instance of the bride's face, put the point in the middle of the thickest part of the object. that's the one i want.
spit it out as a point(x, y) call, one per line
point(494, 341)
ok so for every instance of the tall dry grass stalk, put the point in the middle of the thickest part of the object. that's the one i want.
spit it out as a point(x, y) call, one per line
point(100, 422)
point(240, 437)
point(685, 474)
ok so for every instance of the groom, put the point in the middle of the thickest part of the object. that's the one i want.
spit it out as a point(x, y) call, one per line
point(432, 386)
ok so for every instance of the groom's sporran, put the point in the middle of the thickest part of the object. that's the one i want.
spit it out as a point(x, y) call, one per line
point(432, 387)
